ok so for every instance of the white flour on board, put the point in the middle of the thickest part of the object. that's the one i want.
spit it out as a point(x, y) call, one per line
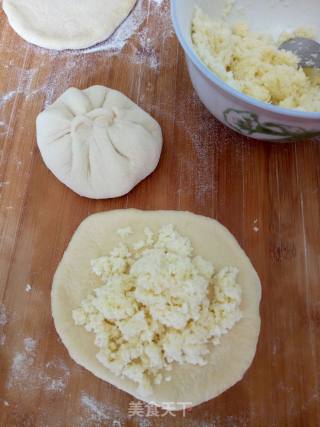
point(197, 132)
point(144, 422)
point(6, 98)
point(118, 40)
point(103, 412)
point(3, 127)
point(98, 411)
point(54, 377)
point(21, 364)
point(216, 421)
point(129, 27)
point(3, 316)
point(24, 87)
point(3, 322)
point(29, 345)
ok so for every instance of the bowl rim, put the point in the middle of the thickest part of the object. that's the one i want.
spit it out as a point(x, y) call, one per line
point(223, 85)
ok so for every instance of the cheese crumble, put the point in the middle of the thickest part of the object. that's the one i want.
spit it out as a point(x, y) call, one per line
point(158, 305)
point(253, 63)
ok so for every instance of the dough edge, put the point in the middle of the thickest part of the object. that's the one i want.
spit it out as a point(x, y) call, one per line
point(49, 42)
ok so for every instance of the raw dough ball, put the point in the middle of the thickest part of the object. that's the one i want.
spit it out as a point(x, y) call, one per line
point(98, 142)
point(73, 281)
point(66, 24)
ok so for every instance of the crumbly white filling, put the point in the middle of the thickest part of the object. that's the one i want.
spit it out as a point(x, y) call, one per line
point(158, 304)
point(253, 63)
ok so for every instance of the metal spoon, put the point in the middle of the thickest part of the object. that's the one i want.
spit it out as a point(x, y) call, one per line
point(307, 50)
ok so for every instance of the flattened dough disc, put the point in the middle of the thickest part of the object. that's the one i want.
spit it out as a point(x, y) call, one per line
point(66, 24)
point(73, 281)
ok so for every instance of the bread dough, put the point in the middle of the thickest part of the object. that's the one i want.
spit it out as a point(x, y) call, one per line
point(73, 281)
point(71, 24)
point(98, 142)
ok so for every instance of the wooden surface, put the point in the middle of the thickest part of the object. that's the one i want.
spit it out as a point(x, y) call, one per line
point(266, 194)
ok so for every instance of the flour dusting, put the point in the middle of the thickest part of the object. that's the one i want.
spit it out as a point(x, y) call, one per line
point(56, 376)
point(3, 315)
point(127, 29)
point(29, 89)
point(64, 75)
point(216, 421)
point(143, 49)
point(29, 344)
point(145, 422)
point(3, 127)
point(3, 322)
point(103, 412)
point(145, 52)
point(98, 412)
point(7, 97)
point(21, 364)
point(24, 87)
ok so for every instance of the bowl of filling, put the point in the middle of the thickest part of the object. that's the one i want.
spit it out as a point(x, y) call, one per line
point(241, 73)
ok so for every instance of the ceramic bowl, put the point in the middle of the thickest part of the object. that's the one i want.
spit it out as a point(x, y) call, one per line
point(240, 112)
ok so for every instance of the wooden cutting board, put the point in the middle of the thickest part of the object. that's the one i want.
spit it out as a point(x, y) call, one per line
point(267, 194)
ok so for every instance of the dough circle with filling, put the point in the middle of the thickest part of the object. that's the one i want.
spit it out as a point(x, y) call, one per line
point(73, 281)
point(66, 24)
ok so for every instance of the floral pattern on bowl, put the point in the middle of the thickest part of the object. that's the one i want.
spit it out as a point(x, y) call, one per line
point(249, 124)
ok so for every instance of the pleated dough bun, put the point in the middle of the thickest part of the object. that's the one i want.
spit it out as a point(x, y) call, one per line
point(98, 142)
